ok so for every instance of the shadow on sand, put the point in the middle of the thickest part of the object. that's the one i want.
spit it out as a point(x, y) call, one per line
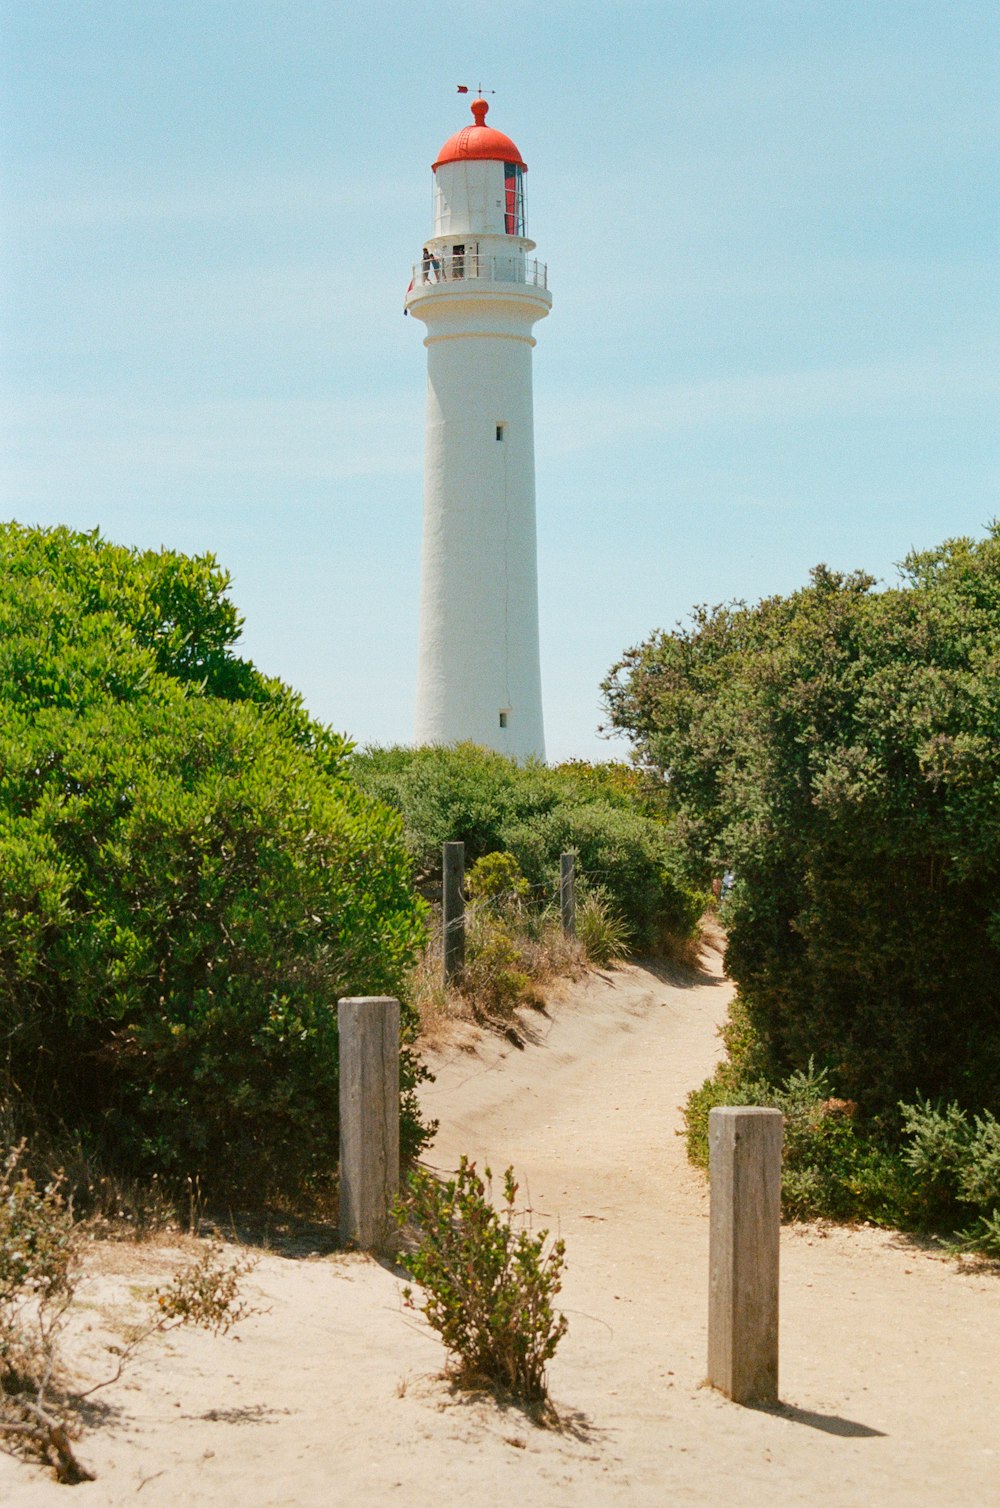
point(830, 1424)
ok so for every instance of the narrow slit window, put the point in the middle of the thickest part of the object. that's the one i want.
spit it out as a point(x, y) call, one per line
point(501, 431)
point(503, 719)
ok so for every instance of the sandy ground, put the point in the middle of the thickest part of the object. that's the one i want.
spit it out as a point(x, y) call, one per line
point(890, 1354)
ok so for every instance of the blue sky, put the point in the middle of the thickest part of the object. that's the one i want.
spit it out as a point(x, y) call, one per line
point(771, 231)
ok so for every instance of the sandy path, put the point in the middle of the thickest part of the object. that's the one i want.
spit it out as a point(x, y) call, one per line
point(890, 1356)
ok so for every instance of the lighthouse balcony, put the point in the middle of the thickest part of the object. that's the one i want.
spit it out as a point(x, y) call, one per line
point(470, 266)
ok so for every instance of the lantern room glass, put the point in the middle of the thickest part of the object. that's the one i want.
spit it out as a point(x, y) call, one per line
point(515, 219)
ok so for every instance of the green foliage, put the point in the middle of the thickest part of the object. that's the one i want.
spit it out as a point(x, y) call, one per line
point(610, 816)
point(603, 933)
point(495, 980)
point(957, 1165)
point(629, 855)
point(496, 877)
point(464, 794)
point(838, 1167)
point(189, 878)
point(489, 1285)
point(829, 1171)
point(838, 750)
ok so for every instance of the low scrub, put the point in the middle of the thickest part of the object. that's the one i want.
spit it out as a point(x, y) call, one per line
point(489, 1283)
point(41, 1402)
point(935, 1168)
point(514, 946)
point(610, 816)
point(602, 931)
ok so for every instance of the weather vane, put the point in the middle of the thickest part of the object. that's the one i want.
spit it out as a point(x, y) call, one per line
point(464, 89)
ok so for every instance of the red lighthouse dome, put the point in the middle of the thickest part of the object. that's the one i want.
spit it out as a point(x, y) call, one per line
point(479, 143)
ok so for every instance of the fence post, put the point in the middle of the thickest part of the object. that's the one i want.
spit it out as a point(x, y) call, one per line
point(567, 892)
point(744, 1227)
point(369, 1117)
point(453, 908)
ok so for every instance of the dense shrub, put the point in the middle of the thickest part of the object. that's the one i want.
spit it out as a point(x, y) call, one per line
point(610, 816)
point(838, 751)
point(956, 1164)
point(189, 878)
point(628, 855)
point(942, 1174)
point(829, 1169)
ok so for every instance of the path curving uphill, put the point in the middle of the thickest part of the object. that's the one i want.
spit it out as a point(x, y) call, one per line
point(890, 1355)
point(332, 1394)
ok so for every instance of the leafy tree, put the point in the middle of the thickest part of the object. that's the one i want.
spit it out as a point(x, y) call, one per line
point(838, 750)
point(189, 878)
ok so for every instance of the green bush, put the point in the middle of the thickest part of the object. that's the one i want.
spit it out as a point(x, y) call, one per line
point(497, 879)
point(494, 980)
point(489, 1286)
point(943, 1168)
point(838, 750)
point(625, 853)
point(956, 1163)
point(829, 1170)
point(463, 794)
point(189, 878)
point(608, 815)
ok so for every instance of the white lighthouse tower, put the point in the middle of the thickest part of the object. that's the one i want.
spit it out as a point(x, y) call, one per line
point(479, 294)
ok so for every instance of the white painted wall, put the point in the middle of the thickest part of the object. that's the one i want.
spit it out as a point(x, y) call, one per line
point(478, 650)
point(469, 199)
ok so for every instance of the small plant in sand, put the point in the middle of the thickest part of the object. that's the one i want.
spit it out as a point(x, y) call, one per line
point(40, 1256)
point(489, 1284)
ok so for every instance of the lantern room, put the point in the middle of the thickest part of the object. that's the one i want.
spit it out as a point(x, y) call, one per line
point(479, 182)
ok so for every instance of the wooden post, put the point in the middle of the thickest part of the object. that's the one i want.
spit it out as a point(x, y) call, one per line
point(744, 1226)
point(567, 892)
point(369, 1117)
point(453, 908)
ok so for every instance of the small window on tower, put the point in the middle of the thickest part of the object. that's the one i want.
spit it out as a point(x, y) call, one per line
point(501, 429)
point(503, 719)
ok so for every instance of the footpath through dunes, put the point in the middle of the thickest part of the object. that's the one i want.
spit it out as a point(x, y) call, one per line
point(890, 1356)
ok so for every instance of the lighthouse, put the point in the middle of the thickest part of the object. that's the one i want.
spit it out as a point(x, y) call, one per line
point(479, 292)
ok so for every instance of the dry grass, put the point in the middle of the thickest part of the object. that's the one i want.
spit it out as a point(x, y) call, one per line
point(514, 956)
point(438, 1008)
point(711, 934)
point(510, 960)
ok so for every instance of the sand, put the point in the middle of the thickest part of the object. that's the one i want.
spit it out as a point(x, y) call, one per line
point(333, 1394)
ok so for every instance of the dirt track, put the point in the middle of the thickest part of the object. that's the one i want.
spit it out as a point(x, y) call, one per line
point(890, 1356)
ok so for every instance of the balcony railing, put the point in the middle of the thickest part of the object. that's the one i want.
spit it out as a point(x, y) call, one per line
point(494, 269)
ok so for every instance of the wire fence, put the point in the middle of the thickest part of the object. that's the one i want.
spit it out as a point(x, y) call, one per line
point(461, 913)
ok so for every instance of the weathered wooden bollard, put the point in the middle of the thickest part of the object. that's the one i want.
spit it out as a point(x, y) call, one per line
point(744, 1227)
point(369, 1117)
point(453, 908)
point(567, 892)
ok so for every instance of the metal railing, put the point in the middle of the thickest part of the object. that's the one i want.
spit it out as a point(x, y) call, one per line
point(472, 266)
